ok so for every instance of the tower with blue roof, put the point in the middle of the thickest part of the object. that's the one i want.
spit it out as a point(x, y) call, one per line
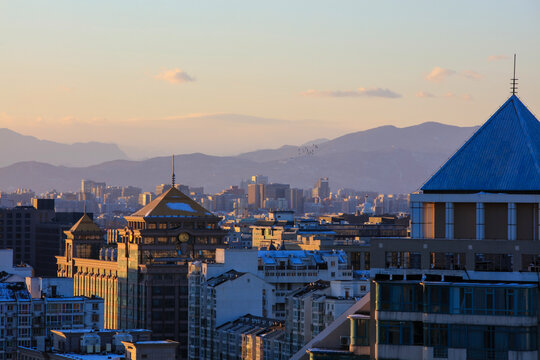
point(465, 284)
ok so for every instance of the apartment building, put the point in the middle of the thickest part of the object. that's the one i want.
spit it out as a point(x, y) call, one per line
point(26, 317)
point(243, 281)
point(312, 308)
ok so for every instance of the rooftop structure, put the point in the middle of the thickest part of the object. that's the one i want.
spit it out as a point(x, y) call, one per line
point(502, 156)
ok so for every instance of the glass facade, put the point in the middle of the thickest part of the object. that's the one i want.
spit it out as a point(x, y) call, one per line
point(465, 299)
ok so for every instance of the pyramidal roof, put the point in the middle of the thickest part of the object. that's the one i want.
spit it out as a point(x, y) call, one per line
point(502, 156)
point(172, 203)
point(85, 224)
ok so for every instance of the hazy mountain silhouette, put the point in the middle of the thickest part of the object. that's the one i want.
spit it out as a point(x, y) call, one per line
point(385, 159)
point(17, 147)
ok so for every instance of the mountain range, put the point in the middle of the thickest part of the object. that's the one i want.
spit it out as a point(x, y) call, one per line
point(385, 159)
point(19, 148)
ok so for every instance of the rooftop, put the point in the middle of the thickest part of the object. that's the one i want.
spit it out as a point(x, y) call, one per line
point(85, 225)
point(172, 203)
point(300, 257)
point(229, 275)
point(502, 156)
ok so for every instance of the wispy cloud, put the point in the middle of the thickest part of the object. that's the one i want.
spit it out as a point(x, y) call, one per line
point(438, 74)
point(174, 76)
point(497, 57)
point(451, 95)
point(469, 74)
point(371, 92)
point(424, 94)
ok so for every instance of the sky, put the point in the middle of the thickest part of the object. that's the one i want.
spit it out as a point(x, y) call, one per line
point(225, 77)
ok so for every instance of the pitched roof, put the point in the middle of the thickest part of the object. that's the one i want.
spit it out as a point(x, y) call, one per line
point(172, 203)
point(502, 156)
point(85, 224)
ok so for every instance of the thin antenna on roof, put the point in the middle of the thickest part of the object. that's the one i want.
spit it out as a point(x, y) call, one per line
point(172, 176)
point(514, 80)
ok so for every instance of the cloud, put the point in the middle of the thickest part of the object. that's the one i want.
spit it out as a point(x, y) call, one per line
point(469, 74)
point(174, 76)
point(424, 94)
point(497, 57)
point(371, 92)
point(451, 95)
point(438, 74)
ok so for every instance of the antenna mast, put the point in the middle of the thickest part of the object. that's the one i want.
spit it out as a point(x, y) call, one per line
point(172, 176)
point(514, 80)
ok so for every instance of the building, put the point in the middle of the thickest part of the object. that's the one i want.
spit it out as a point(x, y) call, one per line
point(297, 201)
point(33, 234)
point(347, 338)
point(321, 190)
point(157, 349)
point(91, 344)
point(26, 317)
point(11, 273)
point(465, 285)
point(143, 277)
point(312, 308)
point(243, 281)
point(256, 196)
point(97, 189)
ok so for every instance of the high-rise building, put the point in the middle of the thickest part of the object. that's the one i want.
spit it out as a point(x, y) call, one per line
point(465, 284)
point(296, 202)
point(95, 188)
point(255, 196)
point(259, 179)
point(34, 234)
point(143, 277)
point(321, 190)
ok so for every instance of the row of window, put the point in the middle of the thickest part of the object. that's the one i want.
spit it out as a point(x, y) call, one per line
point(163, 240)
point(475, 300)
point(455, 261)
point(473, 337)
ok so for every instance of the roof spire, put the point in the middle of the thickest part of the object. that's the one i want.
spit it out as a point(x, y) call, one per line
point(514, 80)
point(172, 175)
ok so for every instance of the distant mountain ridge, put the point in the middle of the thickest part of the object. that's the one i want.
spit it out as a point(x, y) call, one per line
point(19, 148)
point(386, 159)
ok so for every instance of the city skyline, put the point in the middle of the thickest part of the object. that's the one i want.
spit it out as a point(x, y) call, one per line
point(199, 78)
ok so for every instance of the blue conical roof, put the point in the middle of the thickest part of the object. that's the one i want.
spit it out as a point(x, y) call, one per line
point(502, 156)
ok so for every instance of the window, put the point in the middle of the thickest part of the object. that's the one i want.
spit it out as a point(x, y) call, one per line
point(163, 240)
point(438, 299)
point(403, 260)
point(447, 261)
point(399, 297)
point(530, 262)
point(493, 262)
point(400, 333)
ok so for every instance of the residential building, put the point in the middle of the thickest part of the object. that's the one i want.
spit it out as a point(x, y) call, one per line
point(242, 281)
point(309, 310)
point(29, 311)
point(91, 344)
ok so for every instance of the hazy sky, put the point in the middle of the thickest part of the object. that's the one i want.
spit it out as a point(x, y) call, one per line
point(222, 77)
